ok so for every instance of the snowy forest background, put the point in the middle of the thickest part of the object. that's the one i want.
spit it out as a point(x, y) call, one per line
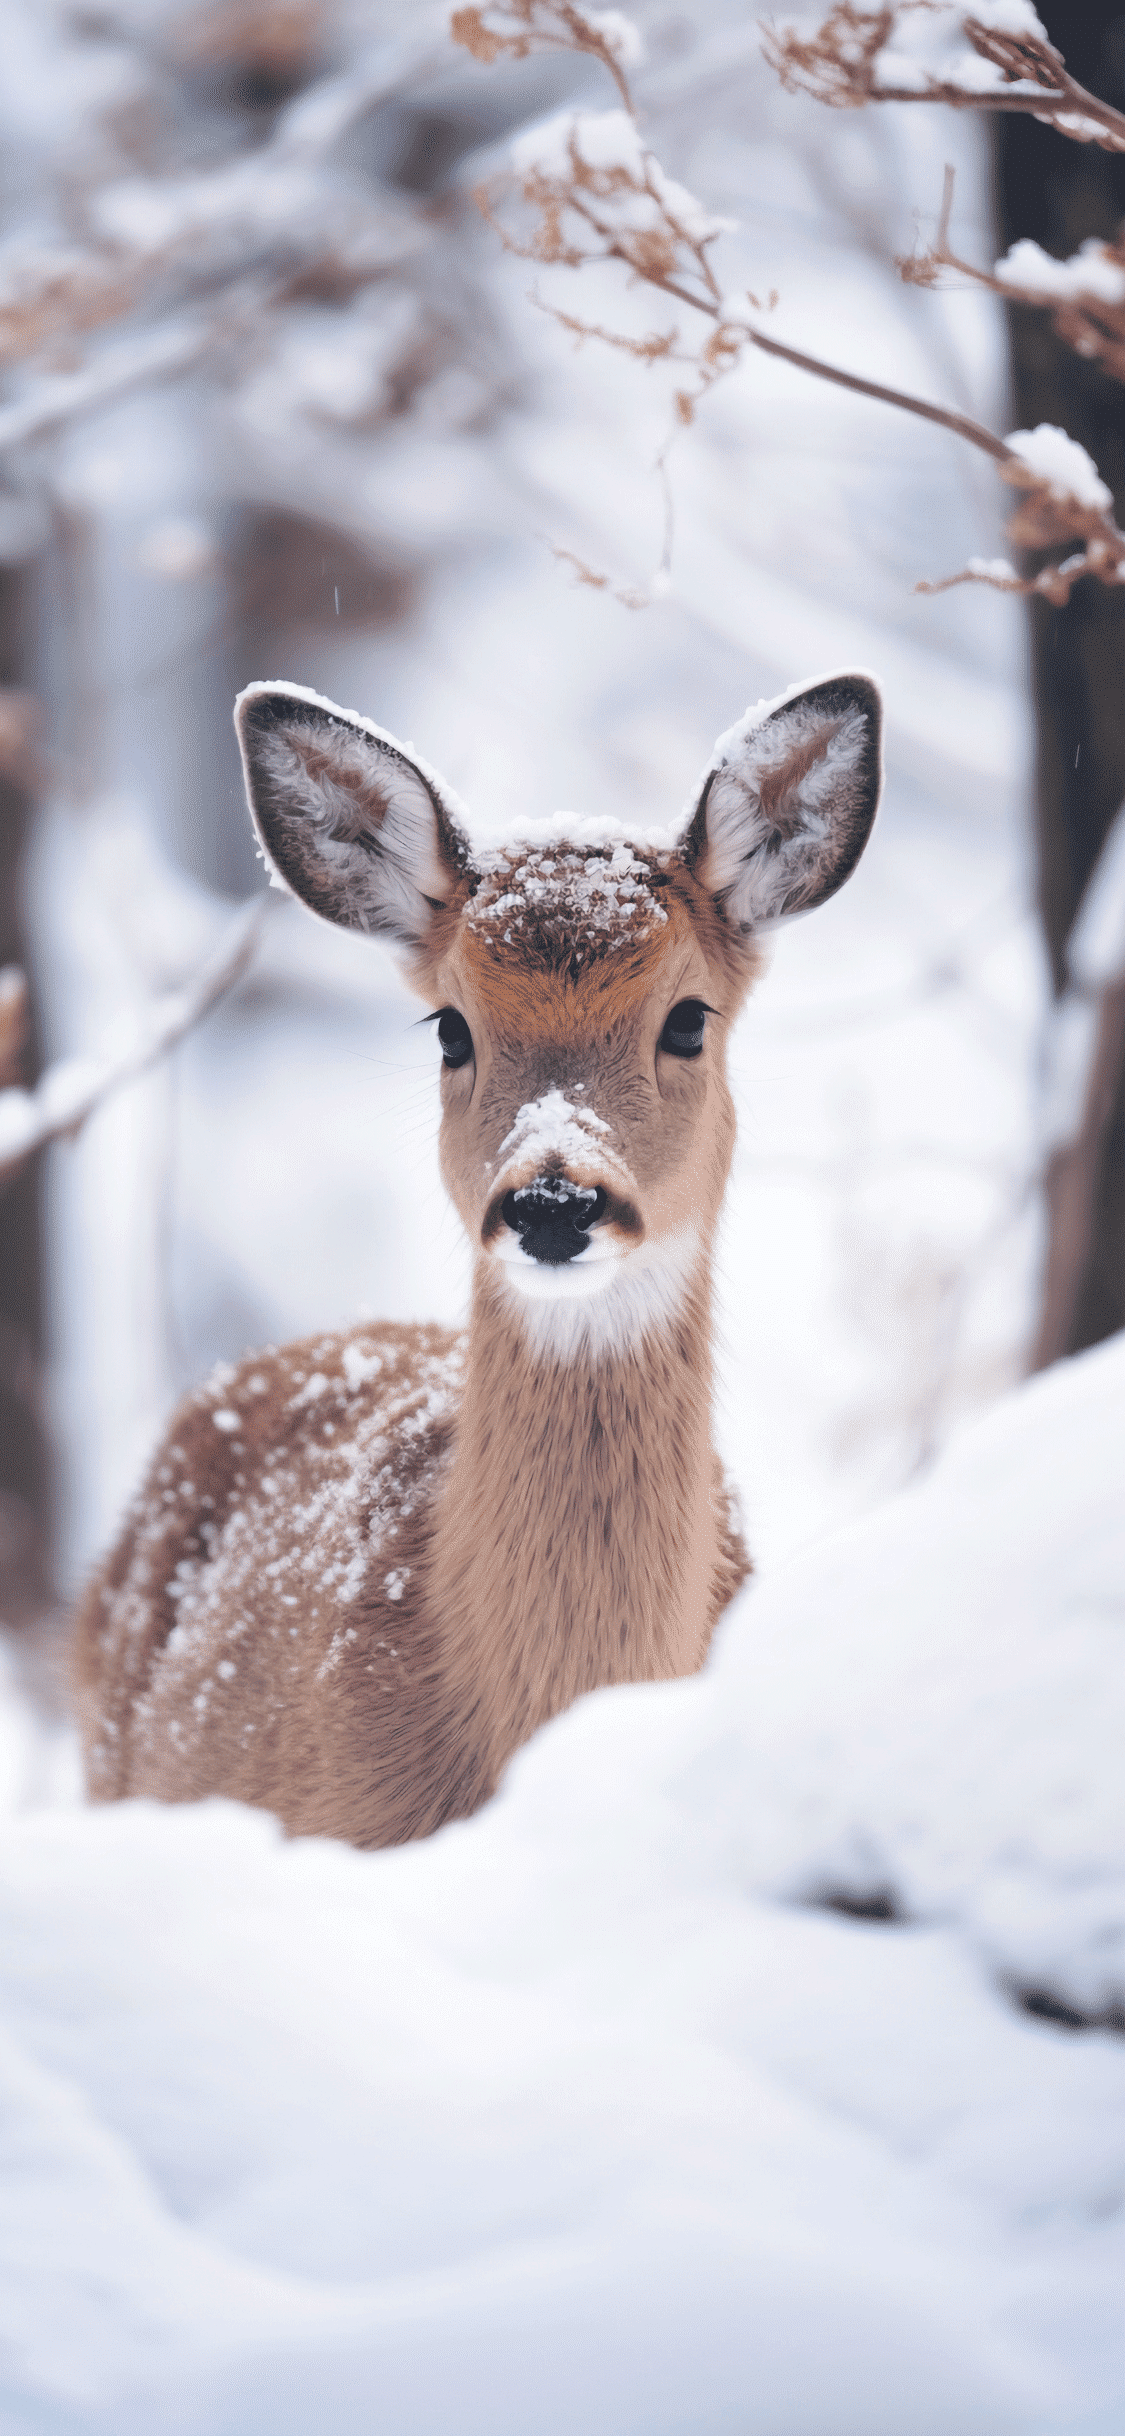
point(278, 403)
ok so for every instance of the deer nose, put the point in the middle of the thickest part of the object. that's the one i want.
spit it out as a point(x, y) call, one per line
point(553, 1218)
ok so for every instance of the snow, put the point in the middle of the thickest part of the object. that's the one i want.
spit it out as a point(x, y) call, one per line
point(594, 2111)
point(1010, 17)
point(624, 39)
point(553, 1126)
point(1092, 271)
point(632, 187)
point(927, 48)
point(1053, 457)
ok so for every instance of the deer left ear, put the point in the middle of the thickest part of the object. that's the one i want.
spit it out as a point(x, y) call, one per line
point(786, 808)
point(350, 822)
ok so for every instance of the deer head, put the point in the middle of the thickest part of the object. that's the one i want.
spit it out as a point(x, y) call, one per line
point(583, 980)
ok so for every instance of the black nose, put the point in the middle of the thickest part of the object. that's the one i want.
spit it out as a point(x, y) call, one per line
point(553, 1218)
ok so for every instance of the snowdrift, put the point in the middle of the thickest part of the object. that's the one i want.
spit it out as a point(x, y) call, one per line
point(608, 2111)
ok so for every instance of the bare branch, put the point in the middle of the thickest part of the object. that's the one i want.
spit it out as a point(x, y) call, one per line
point(69, 1092)
point(846, 65)
point(598, 193)
point(512, 28)
point(1084, 296)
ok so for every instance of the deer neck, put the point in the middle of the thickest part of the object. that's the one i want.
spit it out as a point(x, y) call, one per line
point(576, 1540)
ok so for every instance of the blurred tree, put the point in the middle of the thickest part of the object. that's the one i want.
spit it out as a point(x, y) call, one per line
point(24, 1473)
point(1059, 194)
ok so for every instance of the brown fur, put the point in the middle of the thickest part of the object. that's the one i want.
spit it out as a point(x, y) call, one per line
point(559, 1524)
point(544, 1552)
point(364, 1569)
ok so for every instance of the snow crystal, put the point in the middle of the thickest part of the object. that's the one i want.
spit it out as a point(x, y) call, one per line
point(225, 1420)
point(993, 570)
point(1055, 458)
point(1092, 271)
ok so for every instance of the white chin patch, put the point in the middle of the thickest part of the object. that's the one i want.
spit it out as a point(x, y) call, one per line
point(603, 1302)
point(570, 1281)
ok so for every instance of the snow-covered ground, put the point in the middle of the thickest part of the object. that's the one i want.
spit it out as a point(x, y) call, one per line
point(602, 2112)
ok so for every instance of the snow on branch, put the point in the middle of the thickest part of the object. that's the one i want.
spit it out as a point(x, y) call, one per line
point(513, 28)
point(74, 1087)
point(596, 192)
point(1085, 295)
point(1062, 499)
point(600, 195)
point(993, 57)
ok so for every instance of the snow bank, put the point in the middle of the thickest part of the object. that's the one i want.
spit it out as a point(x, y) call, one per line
point(587, 2114)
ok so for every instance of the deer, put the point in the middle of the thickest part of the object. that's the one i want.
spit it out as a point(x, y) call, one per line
point(365, 1568)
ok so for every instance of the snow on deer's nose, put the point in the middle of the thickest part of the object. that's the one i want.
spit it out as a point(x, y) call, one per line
point(562, 1197)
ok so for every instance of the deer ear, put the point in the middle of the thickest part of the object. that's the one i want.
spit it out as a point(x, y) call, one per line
point(785, 810)
point(345, 818)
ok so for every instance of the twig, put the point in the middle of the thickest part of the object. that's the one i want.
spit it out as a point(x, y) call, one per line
point(593, 178)
point(840, 65)
point(70, 1091)
point(1084, 316)
point(513, 28)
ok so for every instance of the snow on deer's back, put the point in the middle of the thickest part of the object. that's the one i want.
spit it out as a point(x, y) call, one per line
point(362, 1570)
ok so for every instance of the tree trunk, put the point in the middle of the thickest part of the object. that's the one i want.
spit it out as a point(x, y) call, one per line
point(1059, 192)
point(24, 1469)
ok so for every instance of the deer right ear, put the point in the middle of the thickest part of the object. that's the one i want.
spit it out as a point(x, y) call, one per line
point(354, 827)
point(785, 810)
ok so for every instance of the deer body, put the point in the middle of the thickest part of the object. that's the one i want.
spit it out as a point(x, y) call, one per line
point(365, 1568)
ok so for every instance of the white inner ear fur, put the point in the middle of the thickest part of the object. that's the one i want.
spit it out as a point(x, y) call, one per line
point(759, 859)
point(376, 890)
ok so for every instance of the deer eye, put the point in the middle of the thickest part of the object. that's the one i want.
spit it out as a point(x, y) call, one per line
point(455, 1037)
point(683, 1032)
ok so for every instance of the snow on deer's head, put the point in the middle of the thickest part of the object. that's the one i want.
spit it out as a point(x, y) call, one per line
point(584, 979)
